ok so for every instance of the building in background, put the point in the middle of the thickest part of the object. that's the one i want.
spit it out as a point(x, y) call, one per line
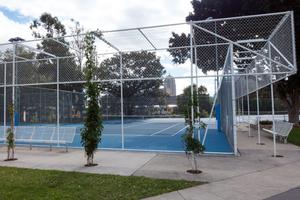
point(170, 85)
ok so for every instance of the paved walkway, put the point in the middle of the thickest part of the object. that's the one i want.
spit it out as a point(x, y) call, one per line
point(293, 194)
point(253, 175)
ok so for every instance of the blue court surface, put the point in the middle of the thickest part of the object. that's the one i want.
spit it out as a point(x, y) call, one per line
point(163, 135)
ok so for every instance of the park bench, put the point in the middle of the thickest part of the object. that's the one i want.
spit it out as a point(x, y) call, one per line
point(42, 134)
point(66, 136)
point(2, 134)
point(281, 130)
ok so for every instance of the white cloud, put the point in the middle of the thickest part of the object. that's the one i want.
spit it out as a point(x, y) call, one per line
point(106, 14)
point(11, 29)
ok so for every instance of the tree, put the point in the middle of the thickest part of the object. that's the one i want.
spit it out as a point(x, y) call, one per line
point(10, 138)
point(135, 65)
point(202, 101)
point(91, 133)
point(52, 32)
point(287, 89)
point(78, 40)
point(192, 146)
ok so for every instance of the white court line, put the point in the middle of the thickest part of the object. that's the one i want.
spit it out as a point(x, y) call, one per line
point(143, 123)
point(179, 131)
point(129, 135)
point(165, 129)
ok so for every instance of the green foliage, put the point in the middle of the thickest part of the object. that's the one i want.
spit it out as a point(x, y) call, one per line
point(179, 55)
point(10, 138)
point(265, 122)
point(91, 133)
point(134, 65)
point(10, 141)
point(48, 26)
point(32, 184)
point(136, 92)
point(204, 9)
point(202, 100)
point(191, 144)
point(294, 136)
point(202, 125)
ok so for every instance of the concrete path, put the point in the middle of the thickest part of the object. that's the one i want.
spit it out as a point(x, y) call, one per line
point(253, 175)
point(293, 194)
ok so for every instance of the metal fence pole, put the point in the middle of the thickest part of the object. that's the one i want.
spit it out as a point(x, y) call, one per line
point(293, 40)
point(257, 110)
point(248, 105)
point(238, 110)
point(4, 104)
point(122, 106)
point(272, 100)
point(13, 80)
point(233, 103)
point(192, 81)
point(57, 100)
point(242, 106)
point(197, 94)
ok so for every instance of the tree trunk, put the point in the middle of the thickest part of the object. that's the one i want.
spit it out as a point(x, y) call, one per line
point(8, 153)
point(293, 109)
point(294, 114)
point(195, 162)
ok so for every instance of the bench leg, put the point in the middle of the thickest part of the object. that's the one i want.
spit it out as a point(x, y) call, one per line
point(50, 147)
point(30, 146)
point(66, 148)
point(285, 140)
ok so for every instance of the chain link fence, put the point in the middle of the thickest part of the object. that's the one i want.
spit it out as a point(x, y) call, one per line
point(147, 73)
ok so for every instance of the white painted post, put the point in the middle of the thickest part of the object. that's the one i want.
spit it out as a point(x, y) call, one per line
point(122, 106)
point(192, 81)
point(242, 106)
point(293, 39)
point(248, 105)
point(13, 79)
point(233, 102)
point(57, 100)
point(4, 103)
point(273, 107)
point(257, 108)
point(197, 93)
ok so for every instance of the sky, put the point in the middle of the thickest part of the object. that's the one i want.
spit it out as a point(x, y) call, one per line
point(16, 15)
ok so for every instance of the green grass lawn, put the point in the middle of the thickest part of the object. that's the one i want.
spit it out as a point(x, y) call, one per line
point(16, 183)
point(294, 137)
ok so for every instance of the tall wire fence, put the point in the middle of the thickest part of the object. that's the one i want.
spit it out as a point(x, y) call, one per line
point(143, 71)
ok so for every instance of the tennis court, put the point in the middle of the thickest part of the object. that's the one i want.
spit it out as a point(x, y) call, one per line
point(153, 134)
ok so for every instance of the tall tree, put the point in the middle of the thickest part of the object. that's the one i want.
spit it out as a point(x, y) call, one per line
point(135, 65)
point(287, 89)
point(202, 101)
point(91, 132)
point(52, 32)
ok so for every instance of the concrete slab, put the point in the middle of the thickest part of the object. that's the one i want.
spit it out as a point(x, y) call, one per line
point(293, 194)
point(253, 175)
point(109, 162)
